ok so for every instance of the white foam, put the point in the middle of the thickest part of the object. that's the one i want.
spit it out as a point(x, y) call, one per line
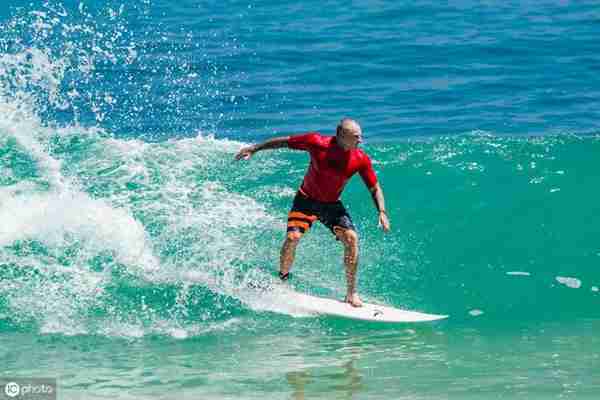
point(53, 295)
point(164, 327)
point(122, 329)
point(518, 273)
point(278, 191)
point(65, 214)
point(49, 217)
point(572, 283)
point(56, 210)
point(218, 219)
point(476, 312)
point(280, 299)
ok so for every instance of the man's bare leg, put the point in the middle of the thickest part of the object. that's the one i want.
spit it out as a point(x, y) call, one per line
point(350, 240)
point(288, 251)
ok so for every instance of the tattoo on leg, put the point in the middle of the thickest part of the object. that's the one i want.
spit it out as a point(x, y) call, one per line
point(351, 263)
point(350, 260)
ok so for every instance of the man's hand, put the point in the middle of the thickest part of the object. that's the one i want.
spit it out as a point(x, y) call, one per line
point(384, 222)
point(245, 153)
point(377, 194)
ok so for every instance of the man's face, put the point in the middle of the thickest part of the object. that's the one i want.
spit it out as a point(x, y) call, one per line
point(351, 139)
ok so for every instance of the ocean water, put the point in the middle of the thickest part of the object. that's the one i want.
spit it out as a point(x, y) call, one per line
point(129, 237)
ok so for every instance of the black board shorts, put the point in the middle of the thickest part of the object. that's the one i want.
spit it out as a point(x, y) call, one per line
point(305, 211)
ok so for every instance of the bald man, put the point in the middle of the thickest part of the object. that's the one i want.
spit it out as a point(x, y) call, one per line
point(333, 161)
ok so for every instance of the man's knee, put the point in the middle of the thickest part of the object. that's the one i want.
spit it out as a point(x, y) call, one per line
point(294, 236)
point(347, 236)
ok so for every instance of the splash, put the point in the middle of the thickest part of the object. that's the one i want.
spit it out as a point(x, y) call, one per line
point(72, 65)
point(108, 235)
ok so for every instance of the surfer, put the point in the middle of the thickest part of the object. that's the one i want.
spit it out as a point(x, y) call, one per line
point(333, 161)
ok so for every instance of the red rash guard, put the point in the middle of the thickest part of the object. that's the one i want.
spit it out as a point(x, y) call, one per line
point(330, 166)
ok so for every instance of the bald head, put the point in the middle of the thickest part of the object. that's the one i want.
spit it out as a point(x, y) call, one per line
point(348, 125)
point(348, 134)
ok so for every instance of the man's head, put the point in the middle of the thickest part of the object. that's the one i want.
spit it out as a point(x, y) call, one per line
point(348, 134)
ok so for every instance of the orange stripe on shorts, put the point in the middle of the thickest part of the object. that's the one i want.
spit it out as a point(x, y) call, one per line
point(297, 214)
point(299, 224)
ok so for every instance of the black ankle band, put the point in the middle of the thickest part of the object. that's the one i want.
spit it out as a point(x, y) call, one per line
point(284, 277)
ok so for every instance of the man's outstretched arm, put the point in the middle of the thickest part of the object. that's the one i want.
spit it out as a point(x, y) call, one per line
point(379, 201)
point(274, 143)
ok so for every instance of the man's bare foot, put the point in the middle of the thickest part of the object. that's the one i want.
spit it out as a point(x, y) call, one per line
point(353, 300)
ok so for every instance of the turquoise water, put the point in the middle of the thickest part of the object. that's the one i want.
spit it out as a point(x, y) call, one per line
point(129, 237)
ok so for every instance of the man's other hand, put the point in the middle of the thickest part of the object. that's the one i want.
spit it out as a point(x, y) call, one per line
point(245, 153)
point(384, 222)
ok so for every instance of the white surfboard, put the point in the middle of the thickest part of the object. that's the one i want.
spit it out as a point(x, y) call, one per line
point(368, 312)
point(280, 297)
